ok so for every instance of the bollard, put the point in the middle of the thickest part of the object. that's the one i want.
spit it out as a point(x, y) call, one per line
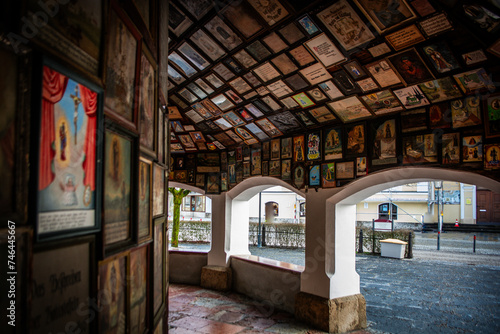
point(360, 248)
point(373, 242)
point(410, 246)
point(264, 235)
point(474, 247)
point(439, 235)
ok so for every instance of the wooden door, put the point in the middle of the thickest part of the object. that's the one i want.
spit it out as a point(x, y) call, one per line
point(483, 198)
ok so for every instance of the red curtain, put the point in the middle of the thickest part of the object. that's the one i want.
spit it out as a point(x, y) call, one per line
point(54, 86)
point(89, 103)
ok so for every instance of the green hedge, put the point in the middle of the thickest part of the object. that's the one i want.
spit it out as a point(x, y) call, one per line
point(370, 237)
point(279, 235)
point(193, 231)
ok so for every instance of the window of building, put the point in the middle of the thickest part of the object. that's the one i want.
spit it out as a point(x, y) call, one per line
point(194, 204)
point(302, 209)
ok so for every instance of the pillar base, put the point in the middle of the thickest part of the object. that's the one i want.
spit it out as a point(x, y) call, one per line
point(337, 315)
point(216, 278)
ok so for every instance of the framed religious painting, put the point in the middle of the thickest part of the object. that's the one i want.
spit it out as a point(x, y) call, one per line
point(492, 116)
point(441, 57)
point(122, 68)
point(331, 90)
point(314, 175)
point(145, 199)
point(256, 161)
point(181, 65)
point(344, 170)
point(223, 33)
point(328, 175)
point(386, 16)
point(299, 176)
point(475, 81)
point(466, 112)
point(322, 115)
point(119, 189)
point(419, 149)
point(332, 143)
point(69, 183)
point(450, 148)
point(355, 69)
point(361, 166)
point(351, 35)
point(158, 190)
point(71, 263)
point(224, 182)
point(298, 148)
point(286, 170)
point(413, 120)
point(383, 73)
point(206, 44)
point(411, 97)
point(275, 168)
point(345, 83)
point(383, 139)
point(308, 25)
point(491, 159)
point(291, 33)
point(244, 59)
point(356, 140)
point(158, 269)
point(81, 45)
point(440, 116)
point(162, 138)
point(349, 109)
point(240, 16)
point(138, 288)
point(147, 104)
point(285, 121)
point(472, 148)
point(410, 67)
point(440, 89)
point(313, 146)
point(213, 183)
point(197, 8)
point(271, 11)
point(275, 149)
point(113, 294)
point(178, 22)
point(257, 131)
point(274, 42)
point(382, 102)
point(286, 148)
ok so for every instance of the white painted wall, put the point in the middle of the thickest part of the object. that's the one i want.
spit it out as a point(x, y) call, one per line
point(288, 203)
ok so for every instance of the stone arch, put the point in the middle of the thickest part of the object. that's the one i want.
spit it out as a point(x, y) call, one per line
point(252, 186)
point(340, 219)
point(186, 186)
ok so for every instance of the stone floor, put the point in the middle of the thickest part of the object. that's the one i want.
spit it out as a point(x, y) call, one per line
point(196, 310)
point(449, 291)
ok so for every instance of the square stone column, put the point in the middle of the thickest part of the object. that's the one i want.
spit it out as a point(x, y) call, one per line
point(338, 315)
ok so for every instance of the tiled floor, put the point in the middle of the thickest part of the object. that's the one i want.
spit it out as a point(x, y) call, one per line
point(196, 310)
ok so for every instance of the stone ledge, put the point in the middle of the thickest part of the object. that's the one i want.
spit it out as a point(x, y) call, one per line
point(216, 278)
point(337, 315)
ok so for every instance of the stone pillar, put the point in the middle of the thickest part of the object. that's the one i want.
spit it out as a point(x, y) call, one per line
point(329, 297)
point(229, 237)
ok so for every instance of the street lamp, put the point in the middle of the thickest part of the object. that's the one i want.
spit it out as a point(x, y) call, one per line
point(439, 186)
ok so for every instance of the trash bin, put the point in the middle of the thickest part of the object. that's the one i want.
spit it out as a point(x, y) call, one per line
point(393, 248)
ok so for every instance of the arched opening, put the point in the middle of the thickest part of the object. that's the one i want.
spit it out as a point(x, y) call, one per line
point(340, 223)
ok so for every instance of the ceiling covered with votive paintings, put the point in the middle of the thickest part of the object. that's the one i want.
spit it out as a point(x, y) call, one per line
point(376, 83)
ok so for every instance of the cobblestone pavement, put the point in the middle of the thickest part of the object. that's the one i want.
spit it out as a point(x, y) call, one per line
point(449, 291)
